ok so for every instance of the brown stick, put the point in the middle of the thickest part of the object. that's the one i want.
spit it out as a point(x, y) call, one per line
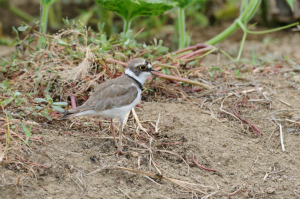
point(116, 61)
point(106, 67)
point(255, 130)
point(202, 167)
point(73, 102)
point(181, 79)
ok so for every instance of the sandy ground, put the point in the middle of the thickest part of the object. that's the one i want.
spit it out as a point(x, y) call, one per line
point(75, 159)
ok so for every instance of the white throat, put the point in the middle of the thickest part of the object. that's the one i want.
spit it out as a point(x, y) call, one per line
point(141, 78)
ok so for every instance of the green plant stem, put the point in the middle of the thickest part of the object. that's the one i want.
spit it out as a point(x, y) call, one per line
point(44, 18)
point(182, 33)
point(272, 30)
point(127, 24)
point(244, 17)
point(242, 46)
point(227, 55)
point(246, 31)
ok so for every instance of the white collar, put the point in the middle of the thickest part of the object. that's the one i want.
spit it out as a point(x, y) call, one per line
point(141, 78)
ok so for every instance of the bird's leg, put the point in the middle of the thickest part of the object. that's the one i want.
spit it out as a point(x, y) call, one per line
point(120, 147)
point(100, 126)
point(113, 132)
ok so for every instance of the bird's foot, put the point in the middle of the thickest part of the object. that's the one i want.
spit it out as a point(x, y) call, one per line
point(120, 150)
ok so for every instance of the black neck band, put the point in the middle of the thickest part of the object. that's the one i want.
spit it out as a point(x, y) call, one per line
point(136, 81)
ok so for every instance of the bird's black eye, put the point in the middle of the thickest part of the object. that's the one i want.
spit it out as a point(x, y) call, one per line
point(143, 67)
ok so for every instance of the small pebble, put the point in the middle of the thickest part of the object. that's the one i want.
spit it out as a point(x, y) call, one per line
point(270, 190)
point(135, 154)
point(296, 78)
point(182, 173)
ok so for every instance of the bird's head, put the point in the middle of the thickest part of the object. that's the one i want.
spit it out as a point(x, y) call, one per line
point(139, 69)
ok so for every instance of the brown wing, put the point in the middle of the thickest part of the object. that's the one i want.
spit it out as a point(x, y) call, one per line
point(113, 93)
point(116, 96)
point(88, 103)
point(108, 96)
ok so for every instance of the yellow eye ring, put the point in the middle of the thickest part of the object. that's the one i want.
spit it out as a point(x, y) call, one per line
point(143, 67)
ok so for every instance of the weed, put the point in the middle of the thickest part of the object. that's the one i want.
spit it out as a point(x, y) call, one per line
point(27, 132)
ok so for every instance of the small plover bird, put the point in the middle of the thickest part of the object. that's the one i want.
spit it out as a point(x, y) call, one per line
point(116, 97)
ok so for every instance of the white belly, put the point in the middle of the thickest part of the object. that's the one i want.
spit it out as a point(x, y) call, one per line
point(116, 112)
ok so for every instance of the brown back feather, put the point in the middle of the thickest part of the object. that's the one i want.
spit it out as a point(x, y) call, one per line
point(112, 93)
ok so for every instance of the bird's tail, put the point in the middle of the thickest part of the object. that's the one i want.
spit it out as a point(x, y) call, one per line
point(73, 112)
point(67, 115)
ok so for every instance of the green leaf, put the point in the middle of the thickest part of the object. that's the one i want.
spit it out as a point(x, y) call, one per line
point(15, 31)
point(62, 42)
point(186, 3)
point(17, 93)
point(100, 26)
point(129, 9)
point(58, 108)
point(46, 116)
point(22, 28)
point(24, 127)
point(60, 103)
point(47, 2)
point(237, 72)
point(7, 101)
point(297, 68)
point(165, 70)
point(290, 2)
point(50, 56)
point(38, 100)
point(49, 99)
point(27, 132)
point(38, 107)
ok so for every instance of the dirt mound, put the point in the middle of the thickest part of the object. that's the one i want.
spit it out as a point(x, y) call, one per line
point(219, 129)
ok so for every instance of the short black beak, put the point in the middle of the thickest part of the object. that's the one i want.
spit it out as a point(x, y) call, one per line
point(152, 70)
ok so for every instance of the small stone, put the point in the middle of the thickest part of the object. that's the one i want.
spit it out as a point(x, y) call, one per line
point(290, 130)
point(71, 167)
point(135, 154)
point(182, 173)
point(296, 78)
point(119, 162)
point(245, 177)
point(270, 190)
